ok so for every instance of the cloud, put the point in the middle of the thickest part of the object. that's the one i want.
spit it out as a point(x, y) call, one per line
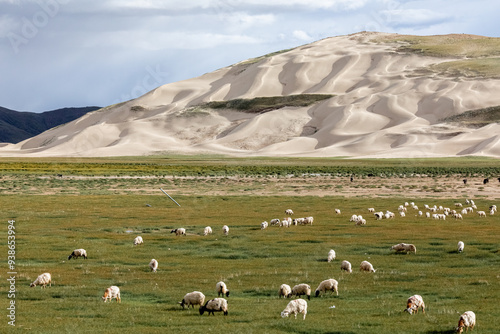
point(301, 35)
point(413, 17)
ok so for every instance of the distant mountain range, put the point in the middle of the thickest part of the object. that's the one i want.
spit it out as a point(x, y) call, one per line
point(16, 126)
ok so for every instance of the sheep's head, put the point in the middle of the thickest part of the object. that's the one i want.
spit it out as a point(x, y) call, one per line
point(227, 293)
point(459, 329)
point(202, 310)
point(317, 293)
point(284, 314)
point(32, 285)
point(182, 303)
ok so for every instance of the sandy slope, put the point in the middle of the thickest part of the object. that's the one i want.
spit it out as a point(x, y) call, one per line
point(384, 106)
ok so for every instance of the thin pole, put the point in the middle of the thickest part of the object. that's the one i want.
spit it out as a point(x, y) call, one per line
point(170, 197)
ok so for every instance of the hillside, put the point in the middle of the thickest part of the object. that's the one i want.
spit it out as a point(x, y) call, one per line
point(380, 95)
point(17, 126)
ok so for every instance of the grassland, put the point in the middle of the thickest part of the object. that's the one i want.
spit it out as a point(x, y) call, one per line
point(252, 262)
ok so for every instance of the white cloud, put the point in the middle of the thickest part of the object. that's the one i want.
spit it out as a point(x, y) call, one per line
point(301, 35)
point(413, 17)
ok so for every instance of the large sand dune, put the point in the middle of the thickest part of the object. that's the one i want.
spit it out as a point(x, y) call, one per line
point(385, 104)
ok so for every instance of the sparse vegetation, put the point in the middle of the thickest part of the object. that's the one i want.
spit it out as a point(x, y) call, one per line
point(476, 118)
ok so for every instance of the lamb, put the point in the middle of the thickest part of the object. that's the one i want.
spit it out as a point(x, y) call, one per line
point(207, 230)
point(112, 292)
point(192, 299)
point(468, 319)
point(78, 253)
point(285, 291)
point(153, 265)
point(366, 266)
point(372, 210)
point(460, 246)
point(302, 289)
point(264, 225)
point(221, 289)
point(138, 240)
point(413, 303)
point(402, 247)
point(294, 307)
point(42, 280)
point(214, 305)
point(328, 285)
point(337, 211)
point(288, 212)
point(179, 231)
point(346, 265)
point(225, 230)
point(331, 255)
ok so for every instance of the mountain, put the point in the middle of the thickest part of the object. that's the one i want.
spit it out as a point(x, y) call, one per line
point(17, 126)
point(361, 95)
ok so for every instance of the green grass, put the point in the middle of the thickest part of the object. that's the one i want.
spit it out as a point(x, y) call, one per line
point(252, 262)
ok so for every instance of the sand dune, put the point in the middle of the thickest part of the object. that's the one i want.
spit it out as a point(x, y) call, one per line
point(385, 104)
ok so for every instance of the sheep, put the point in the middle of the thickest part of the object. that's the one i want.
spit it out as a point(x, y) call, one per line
point(493, 208)
point(179, 231)
point(458, 205)
point(402, 247)
point(371, 210)
point(221, 289)
point(460, 246)
point(285, 223)
point(42, 280)
point(327, 285)
point(413, 303)
point(402, 214)
point(308, 220)
point(366, 266)
point(285, 291)
point(458, 216)
point(467, 319)
point(302, 289)
point(298, 221)
point(354, 218)
point(481, 213)
point(361, 222)
point(138, 240)
point(337, 211)
point(428, 214)
point(275, 221)
point(225, 230)
point(331, 255)
point(379, 215)
point(112, 292)
point(207, 230)
point(288, 212)
point(294, 307)
point(78, 253)
point(153, 265)
point(264, 225)
point(192, 299)
point(214, 305)
point(346, 265)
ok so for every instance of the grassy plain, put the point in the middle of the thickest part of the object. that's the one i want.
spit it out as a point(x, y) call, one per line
point(253, 262)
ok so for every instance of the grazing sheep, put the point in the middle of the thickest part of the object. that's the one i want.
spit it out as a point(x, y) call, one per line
point(192, 299)
point(214, 305)
point(460, 246)
point(402, 247)
point(264, 225)
point(413, 303)
point(207, 230)
point(458, 205)
point(78, 253)
point(328, 285)
point(402, 214)
point(353, 218)
point(366, 266)
point(294, 307)
point(285, 291)
point(493, 208)
point(288, 212)
point(112, 292)
point(179, 231)
point(225, 230)
point(468, 319)
point(337, 211)
point(331, 255)
point(372, 210)
point(153, 265)
point(346, 265)
point(302, 289)
point(379, 215)
point(308, 220)
point(481, 213)
point(428, 214)
point(138, 240)
point(298, 221)
point(275, 221)
point(361, 222)
point(42, 280)
point(221, 289)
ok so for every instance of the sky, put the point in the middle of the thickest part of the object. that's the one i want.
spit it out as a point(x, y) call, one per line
point(75, 53)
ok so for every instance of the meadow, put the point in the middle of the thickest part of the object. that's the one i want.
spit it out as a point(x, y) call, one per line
point(252, 262)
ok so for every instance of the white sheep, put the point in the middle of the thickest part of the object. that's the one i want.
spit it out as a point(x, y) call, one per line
point(337, 211)
point(78, 253)
point(413, 303)
point(153, 265)
point(302, 289)
point(371, 210)
point(467, 319)
point(402, 214)
point(328, 285)
point(460, 246)
point(402, 247)
point(331, 255)
point(366, 266)
point(179, 231)
point(294, 307)
point(225, 230)
point(214, 305)
point(221, 289)
point(285, 291)
point(42, 280)
point(207, 230)
point(361, 221)
point(275, 221)
point(264, 225)
point(346, 265)
point(493, 208)
point(298, 221)
point(481, 213)
point(138, 240)
point(288, 212)
point(428, 214)
point(354, 218)
point(308, 220)
point(192, 299)
point(112, 292)
point(458, 205)
point(379, 215)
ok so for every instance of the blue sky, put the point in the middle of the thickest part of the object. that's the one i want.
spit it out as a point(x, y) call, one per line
point(62, 53)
